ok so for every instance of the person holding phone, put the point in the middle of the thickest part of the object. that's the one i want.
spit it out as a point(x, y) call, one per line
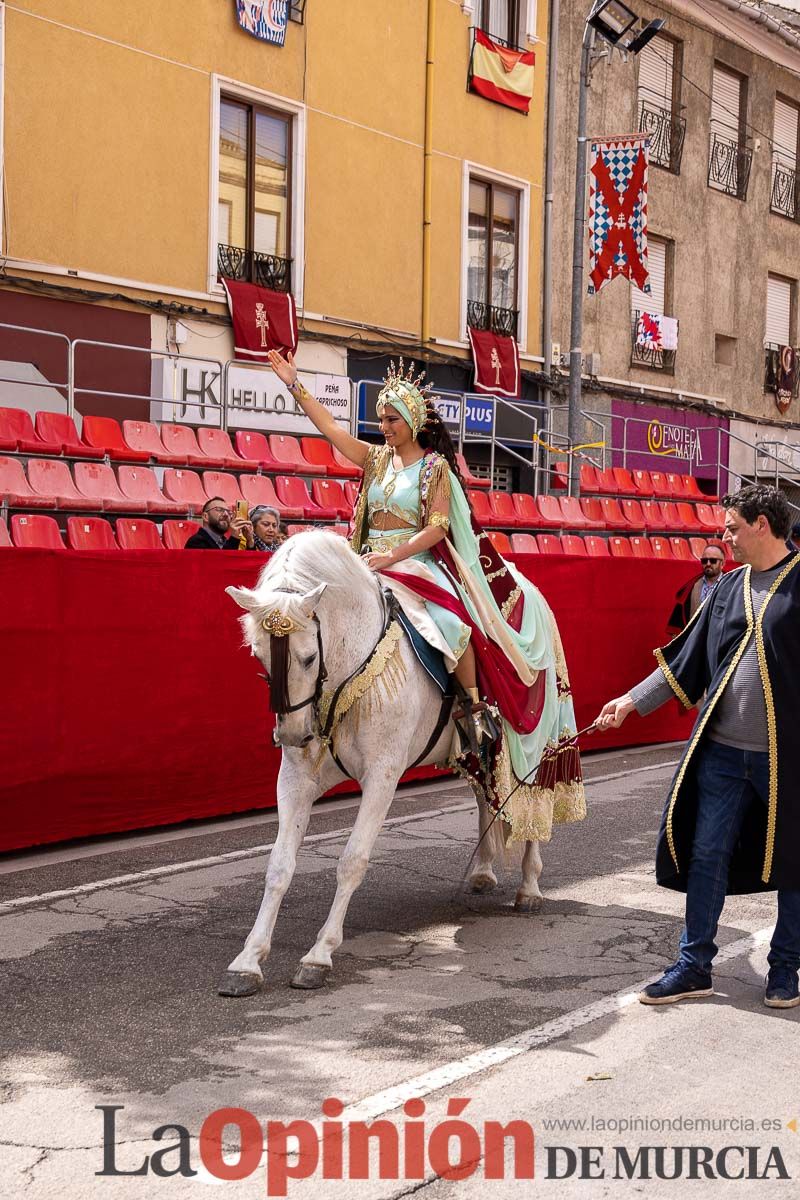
point(222, 529)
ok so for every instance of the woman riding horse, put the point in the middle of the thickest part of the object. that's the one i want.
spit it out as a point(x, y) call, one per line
point(412, 523)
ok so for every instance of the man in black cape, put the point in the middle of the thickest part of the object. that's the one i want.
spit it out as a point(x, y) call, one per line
point(731, 823)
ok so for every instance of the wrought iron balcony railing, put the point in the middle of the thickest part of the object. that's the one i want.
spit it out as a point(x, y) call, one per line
point(267, 270)
point(643, 356)
point(729, 166)
point(667, 131)
point(783, 198)
point(772, 363)
point(502, 321)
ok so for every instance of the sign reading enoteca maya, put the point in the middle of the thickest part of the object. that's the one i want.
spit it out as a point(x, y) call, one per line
point(191, 393)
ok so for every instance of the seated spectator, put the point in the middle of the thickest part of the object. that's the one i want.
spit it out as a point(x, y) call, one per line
point(221, 530)
point(266, 524)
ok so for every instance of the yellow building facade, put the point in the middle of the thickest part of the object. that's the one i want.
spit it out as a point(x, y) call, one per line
point(139, 138)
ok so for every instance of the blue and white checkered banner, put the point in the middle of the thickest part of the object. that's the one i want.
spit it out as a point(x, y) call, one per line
point(264, 19)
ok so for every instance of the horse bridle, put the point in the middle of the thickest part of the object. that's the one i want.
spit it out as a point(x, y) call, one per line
point(322, 673)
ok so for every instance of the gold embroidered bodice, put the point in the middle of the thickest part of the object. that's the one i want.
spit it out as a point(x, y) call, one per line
point(395, 494)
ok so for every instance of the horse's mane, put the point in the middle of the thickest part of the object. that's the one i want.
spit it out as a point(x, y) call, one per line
point(311, 558)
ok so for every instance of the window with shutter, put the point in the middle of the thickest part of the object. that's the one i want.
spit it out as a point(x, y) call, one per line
point(779, 311)
point(657, 266)
point(656, 65)
point(729, 158)
point(783, 197)
point(658, 101)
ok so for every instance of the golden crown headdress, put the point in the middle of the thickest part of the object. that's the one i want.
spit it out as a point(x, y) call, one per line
point(402, 387)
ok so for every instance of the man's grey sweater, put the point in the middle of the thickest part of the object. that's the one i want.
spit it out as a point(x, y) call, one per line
point(740, 717)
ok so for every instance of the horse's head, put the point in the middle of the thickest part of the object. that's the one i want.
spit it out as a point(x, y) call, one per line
point(283, 632)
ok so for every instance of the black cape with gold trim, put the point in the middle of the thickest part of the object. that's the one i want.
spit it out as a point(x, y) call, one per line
point(701, 660)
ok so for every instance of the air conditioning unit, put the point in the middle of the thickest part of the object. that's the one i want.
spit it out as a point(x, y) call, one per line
point(593, 364)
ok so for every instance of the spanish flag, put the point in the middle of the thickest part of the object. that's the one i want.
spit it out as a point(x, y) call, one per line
point(500, 74)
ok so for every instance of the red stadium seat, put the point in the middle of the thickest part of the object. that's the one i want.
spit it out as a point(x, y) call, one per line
point(177, 533)
point(632, 512)
point(105, 434)
point(216, 445)
point(59, 429)
point(90, 533)
point(588, 477)
point(258, 489)
point(559, 477)
point(572, 544)
point(17, 433)
point(625, 482)
point(5, 540)
point(527, 511)
point(293, 529)
point(613, 514)
point(253, 449)
point(681, 549)
point(140, 485)
point(693, 491)
point(592, 510)
point(344, 467)
point(572, 514)
point(15, 489)
point(620, 547)
point(318, 450)
point(500, 541)
point(286, 449)
point(643, 483)
point(641, 548)
point(524, 543)
point(661, 548)
point(351, 492)
point(549, 543)
point(502, 505)
point(677, 485)
point(185, 487)
point(719, 515)
point(181, 440)
point(479, 503)
point(661, 488)
point(671, 515)
point(656, 516)
point(596, 547)
point(36, 531)
point(99, 483)
point(339, 530)
point(606, 482)
point(136, 534)
point(51, 477)
point(220, 483)
point(703, 512)
point(329, 493)
point(144, 436)
point(471, 481)
point(688, 517)
point(697, 545)
point(294, 491)
point(550, 514)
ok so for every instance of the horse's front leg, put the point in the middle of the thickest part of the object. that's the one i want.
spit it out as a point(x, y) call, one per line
point(483, 878)
point(378, 793)
point(529, 897)
point(297, 791)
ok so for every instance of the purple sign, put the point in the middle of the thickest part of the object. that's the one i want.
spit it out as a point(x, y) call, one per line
point(652, 437)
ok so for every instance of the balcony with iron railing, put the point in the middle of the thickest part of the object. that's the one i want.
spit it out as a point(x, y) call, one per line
point(783, 196)
point(645, 356)
point(729, 166)
point(772, 367)
point(251, 266)
point(667, 131)
point(502, 321)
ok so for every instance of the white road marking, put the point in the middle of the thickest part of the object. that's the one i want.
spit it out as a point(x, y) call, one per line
point(196, 864)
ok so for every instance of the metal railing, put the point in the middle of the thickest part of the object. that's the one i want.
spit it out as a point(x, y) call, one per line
point(502, 321)
point(251, 266)
point(29, 330)
point(729, 166)
point(667, 132)
point(649, 356)
point(783, 196)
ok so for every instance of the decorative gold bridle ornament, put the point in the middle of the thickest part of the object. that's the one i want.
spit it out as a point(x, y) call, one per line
point(277, 624)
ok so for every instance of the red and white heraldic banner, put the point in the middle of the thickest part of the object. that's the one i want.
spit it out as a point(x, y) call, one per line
point(501, 74)
point(496, 363)
point(263, 320)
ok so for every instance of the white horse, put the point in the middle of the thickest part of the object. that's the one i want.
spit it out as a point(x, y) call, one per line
point(314, 618)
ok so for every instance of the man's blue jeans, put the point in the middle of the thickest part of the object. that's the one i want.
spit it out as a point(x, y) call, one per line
point(727, 779)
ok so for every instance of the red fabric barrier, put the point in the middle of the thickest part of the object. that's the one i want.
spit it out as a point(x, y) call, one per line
point(129, 700)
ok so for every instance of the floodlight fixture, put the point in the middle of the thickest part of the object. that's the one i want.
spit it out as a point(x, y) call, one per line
point(645, 35)
point(612, 19)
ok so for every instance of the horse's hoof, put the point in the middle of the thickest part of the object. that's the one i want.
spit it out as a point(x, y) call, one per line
point(527, 904)
point(239, 983)
point(309, 976)
point(481, 884)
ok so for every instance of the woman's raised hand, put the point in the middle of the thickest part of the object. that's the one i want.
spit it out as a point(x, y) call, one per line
point(284, 368)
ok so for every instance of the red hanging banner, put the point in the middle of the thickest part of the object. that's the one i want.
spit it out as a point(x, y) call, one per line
point(496, 363)
point(263, 320)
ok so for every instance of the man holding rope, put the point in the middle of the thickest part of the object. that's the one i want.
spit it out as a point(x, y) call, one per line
point(731, 824)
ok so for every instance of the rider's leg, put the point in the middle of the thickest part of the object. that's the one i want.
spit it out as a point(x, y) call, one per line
point(466, 672)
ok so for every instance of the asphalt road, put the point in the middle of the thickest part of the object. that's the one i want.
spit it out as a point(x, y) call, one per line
point(112, 951)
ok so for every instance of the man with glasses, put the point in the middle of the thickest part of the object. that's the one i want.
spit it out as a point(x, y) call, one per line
point(221, 530)
point(712, 561)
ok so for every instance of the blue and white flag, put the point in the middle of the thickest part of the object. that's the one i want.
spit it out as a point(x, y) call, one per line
point(264, 19)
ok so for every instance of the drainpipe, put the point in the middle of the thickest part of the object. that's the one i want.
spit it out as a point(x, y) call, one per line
point(427, 185)
point(547, 249)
